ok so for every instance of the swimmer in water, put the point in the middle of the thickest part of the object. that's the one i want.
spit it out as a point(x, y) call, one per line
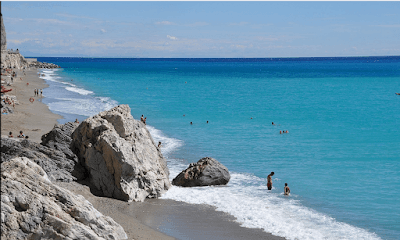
point(286, 190)
point(269, 179)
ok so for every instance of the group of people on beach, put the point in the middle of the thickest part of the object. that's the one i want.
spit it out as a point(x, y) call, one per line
point(9, 101)
point(143, 120)
point(37, 92)
point(286, 189)
point(21, 135)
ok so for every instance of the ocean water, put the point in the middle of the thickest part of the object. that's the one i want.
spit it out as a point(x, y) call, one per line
point(340, 158)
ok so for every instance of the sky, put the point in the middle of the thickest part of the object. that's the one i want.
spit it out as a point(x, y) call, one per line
point(202, 29)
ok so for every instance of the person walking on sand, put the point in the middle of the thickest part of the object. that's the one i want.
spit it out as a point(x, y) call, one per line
point(269, 179)
point(41, 92)
point(286, 190)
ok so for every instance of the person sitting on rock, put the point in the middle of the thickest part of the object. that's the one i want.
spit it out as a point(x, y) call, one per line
point(159, 144)
point(10, 135)
point(76, 120)
point(21, 134)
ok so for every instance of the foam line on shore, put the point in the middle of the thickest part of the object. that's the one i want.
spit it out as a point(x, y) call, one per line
point(66, 97)
point(246, 197)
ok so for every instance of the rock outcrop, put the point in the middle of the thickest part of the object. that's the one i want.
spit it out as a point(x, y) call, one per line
point(3, 35)
point(58, 165)
point(34, 208)
point(13, 59)
point(120, 156)
point(37, 64)
point(59, 138)
point(206, 172)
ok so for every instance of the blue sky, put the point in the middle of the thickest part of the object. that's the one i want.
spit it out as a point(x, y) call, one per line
point(203, 29)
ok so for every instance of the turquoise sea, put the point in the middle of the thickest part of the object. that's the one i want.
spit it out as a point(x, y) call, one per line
point(340, 158)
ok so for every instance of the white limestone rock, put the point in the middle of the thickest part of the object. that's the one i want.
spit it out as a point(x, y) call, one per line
point(120, 156)
point(34, 208)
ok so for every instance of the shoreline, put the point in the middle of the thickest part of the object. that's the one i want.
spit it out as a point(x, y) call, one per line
point(34, 119)
point(151, 219)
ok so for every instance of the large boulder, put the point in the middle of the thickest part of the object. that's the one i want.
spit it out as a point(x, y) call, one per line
point(120, 156)
point(34, 208)
point(206, 172)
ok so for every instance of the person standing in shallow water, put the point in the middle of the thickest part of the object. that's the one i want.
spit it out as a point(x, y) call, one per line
point(269, 179)
point(286, 190)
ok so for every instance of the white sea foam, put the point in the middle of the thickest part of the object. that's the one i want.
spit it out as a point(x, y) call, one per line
point(79, 90)
point(51, 75)
point(168, 144)
point(82, 106)
point(248, 199)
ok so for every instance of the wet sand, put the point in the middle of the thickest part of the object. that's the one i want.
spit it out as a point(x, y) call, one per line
point(152, 219)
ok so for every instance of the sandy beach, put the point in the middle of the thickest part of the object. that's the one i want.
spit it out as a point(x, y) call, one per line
point(34, 119)
point(151, 219)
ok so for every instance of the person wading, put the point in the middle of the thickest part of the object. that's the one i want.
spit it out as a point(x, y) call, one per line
point(269, 179)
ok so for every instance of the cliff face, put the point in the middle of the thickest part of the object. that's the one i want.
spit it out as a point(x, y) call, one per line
point(3, 35)
point(10, 60)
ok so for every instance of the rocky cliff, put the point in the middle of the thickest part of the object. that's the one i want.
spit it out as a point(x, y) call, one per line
point(13, 59)
point(3, 35)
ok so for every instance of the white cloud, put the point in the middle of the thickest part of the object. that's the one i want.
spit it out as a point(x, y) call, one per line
point(172, 37)
point(74, 16)
point(239, 24)
point(103, 31)
point(388, 26)
point(165, 23)
point(197, 24)
point(19, 41)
